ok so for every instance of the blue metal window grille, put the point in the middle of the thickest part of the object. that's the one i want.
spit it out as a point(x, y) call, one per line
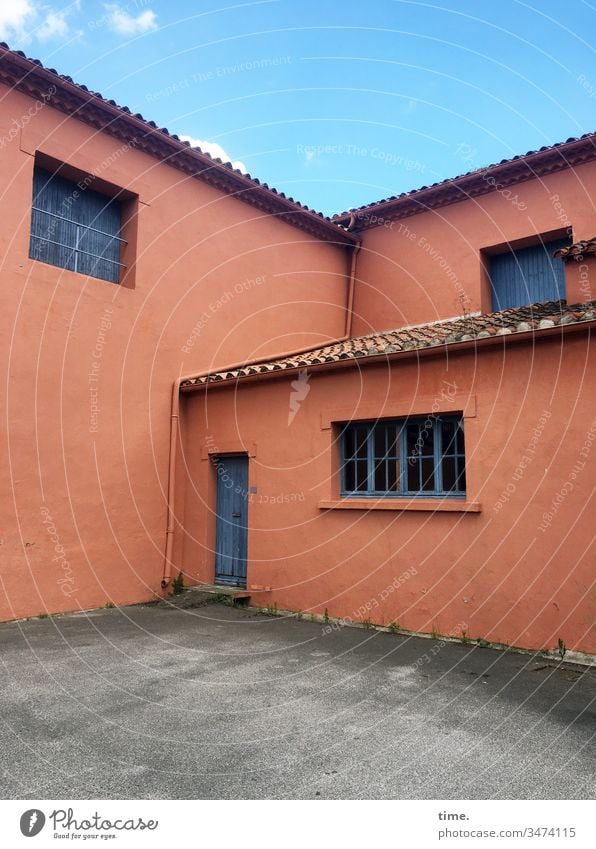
point(527, 276)
point(75, 228)
point(404, 457)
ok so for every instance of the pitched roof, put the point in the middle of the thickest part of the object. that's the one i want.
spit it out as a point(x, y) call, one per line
point(60, 91)
point(30, 76)
point(507, 172)
point(577, 251)
point(533, 318)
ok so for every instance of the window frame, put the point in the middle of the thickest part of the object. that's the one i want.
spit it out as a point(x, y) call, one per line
point(522, 288)
point(70, 262)
point(436, 421)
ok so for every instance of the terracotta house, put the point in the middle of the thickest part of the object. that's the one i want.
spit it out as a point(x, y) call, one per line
point(384, 417)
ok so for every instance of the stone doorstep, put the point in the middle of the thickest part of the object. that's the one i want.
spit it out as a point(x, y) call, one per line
point(220, 589)
point(202, 594)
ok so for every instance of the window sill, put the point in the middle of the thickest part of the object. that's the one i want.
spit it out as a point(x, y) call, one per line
point(431, 505)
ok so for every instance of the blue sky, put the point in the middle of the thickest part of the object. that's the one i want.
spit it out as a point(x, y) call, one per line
point(336, 103)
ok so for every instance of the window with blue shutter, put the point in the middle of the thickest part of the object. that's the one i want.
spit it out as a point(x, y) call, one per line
point(404, 457)
point(527, 276)
point(75, 228)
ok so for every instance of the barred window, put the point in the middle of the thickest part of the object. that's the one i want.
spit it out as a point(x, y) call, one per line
point(404, 457)
point(75, 228)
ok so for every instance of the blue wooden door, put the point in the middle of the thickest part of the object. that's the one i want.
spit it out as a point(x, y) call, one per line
point(527, 276)
point(231, 535)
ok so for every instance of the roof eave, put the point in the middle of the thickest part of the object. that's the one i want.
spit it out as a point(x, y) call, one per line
point(512, 172)
point(434, 350)
point(31, 78)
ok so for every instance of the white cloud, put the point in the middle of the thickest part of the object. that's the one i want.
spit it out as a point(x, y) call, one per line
point(124, 24)
point(22, 20)
point(54, 24)
point(16, 18)
point(215, 150)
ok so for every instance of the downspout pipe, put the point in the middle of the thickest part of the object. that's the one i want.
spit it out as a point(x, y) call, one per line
point(175, 410)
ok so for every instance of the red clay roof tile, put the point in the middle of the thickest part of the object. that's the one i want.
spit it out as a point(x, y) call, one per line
point(577, 251)
point(535, 317)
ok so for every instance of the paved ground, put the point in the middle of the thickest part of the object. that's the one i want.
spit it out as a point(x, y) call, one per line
point(223, 703)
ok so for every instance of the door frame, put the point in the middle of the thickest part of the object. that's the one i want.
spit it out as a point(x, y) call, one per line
point(216, 459)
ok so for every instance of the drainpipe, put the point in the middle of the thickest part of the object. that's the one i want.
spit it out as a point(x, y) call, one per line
point(175, 410)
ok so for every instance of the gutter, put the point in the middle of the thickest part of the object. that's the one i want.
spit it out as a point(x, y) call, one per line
point(175, 411)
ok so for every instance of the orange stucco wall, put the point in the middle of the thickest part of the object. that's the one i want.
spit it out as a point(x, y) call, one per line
point(508, 573)
point(87, 386)
point(430, 266)
point(83, 490)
